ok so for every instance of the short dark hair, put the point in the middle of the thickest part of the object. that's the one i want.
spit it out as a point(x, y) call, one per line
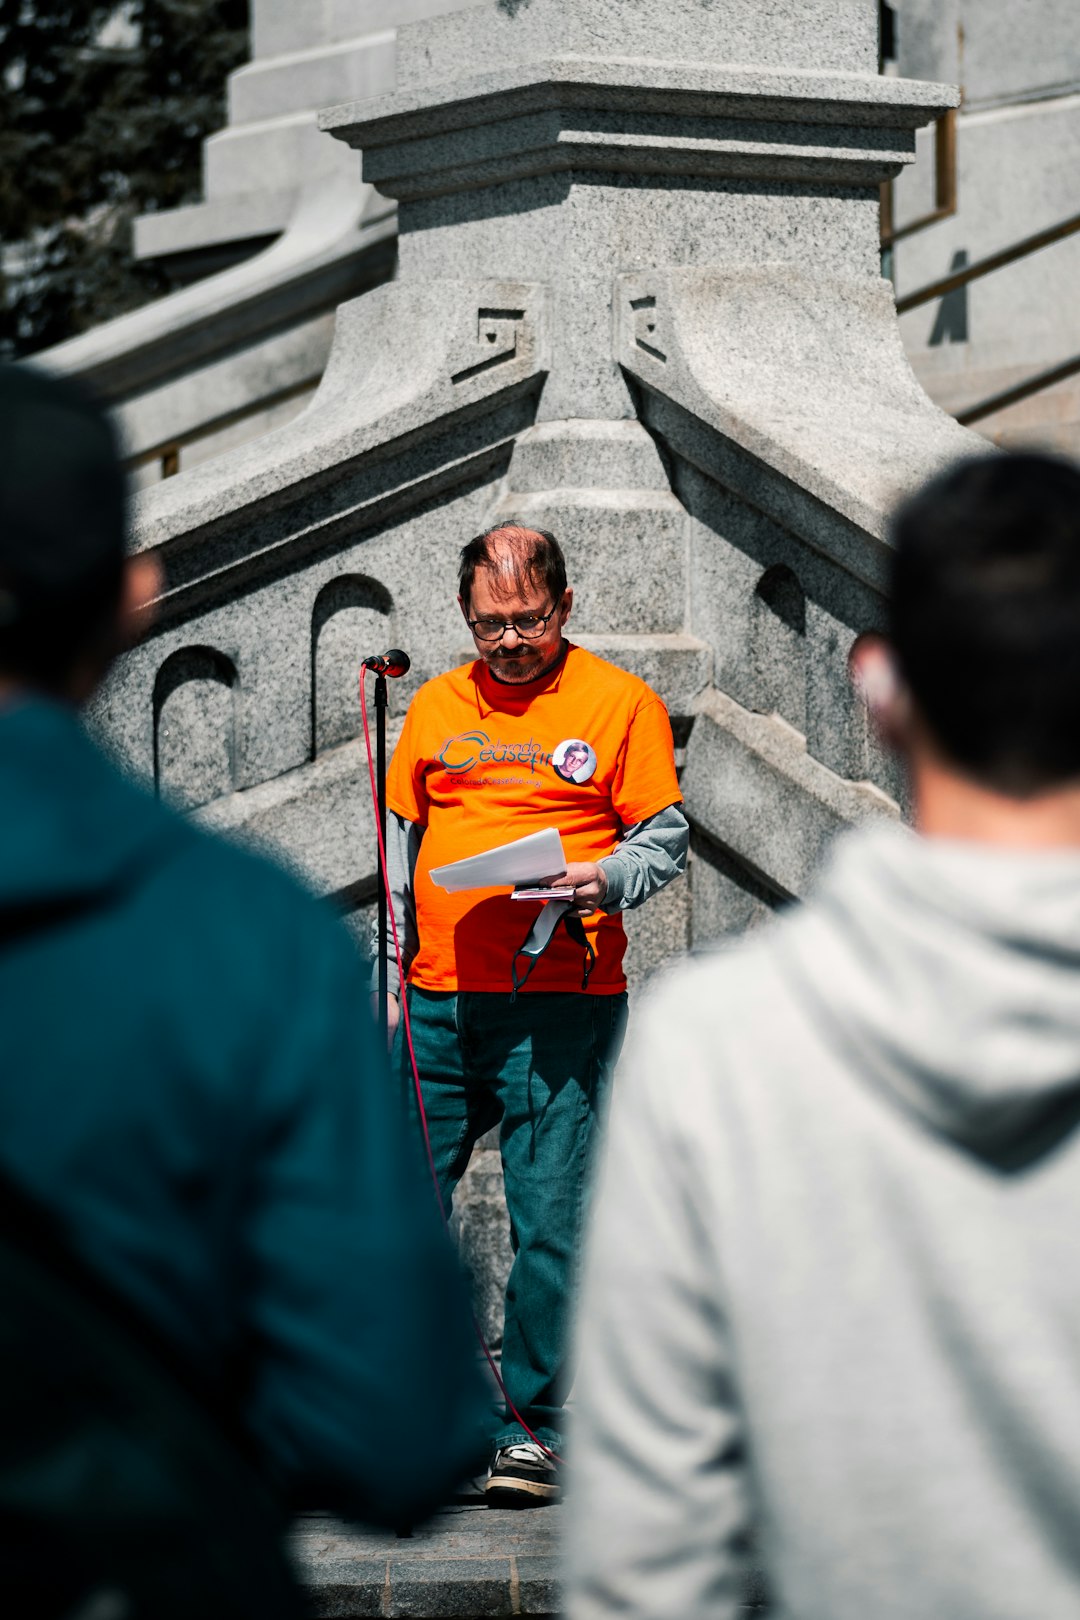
point(534, 555)
point(985, 617)
point(62, 525)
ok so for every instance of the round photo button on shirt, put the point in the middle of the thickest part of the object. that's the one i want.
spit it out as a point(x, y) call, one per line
point(574, 760)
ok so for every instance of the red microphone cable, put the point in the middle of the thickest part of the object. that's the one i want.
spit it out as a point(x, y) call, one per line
point(404, 1004)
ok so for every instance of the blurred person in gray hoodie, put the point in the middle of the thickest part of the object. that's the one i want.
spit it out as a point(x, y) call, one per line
point(831, 1321)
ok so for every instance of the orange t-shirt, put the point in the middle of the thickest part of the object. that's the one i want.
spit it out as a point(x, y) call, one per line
point(586, 749)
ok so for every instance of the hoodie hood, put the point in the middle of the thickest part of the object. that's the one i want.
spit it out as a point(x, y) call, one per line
point(73, 826)
point(949, 973)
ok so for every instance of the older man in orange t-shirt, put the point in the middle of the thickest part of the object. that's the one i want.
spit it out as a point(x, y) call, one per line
point(533, 733)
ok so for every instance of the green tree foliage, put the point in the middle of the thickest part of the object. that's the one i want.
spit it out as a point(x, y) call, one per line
point(103, 109)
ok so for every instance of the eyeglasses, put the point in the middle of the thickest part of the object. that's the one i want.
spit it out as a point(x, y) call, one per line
point(530, 626)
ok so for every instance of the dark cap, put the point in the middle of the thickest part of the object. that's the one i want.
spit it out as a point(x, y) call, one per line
point(62, 509)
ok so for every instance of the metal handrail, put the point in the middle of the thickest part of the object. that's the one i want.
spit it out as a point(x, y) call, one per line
point(983, 267)
point(168, 451)
point(945, 198)
point(1019, 391)
point(945, 186)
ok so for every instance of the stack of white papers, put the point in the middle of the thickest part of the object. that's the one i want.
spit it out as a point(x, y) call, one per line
point(526, 860)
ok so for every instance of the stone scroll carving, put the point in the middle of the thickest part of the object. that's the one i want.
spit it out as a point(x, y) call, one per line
point(427, 385)
point(496, 341)
point(790, 388)
point(645, 320)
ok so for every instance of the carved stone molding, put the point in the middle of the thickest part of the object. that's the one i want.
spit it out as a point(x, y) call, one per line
point(793, 390)
point(425, 384)
point(673, 119)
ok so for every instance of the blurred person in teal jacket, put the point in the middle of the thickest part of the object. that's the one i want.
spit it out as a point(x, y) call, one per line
point(190, 1085)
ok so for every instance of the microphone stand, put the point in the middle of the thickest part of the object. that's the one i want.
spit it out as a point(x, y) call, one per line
point(395, 663)
point(380, 782)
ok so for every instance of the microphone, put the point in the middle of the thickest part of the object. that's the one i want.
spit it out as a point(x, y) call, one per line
point(393, 662)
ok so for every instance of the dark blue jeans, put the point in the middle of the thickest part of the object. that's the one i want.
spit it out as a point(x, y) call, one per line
point(539, 1068)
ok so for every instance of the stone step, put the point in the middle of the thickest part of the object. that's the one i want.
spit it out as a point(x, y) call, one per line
point(312, 78)
point(551, 457)
point(469, 1560)
point(282, 27)
point(1048, 420)
point(288, 146)
point(256, 168)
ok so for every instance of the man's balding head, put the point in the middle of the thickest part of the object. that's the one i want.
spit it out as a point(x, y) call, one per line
point(516, 600)
point(515, 559)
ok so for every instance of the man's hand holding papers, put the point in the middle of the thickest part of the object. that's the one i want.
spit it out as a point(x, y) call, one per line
point(521, 863)
point(588, 882)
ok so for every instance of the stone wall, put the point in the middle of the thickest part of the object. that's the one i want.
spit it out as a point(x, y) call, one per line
point(638, 303)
